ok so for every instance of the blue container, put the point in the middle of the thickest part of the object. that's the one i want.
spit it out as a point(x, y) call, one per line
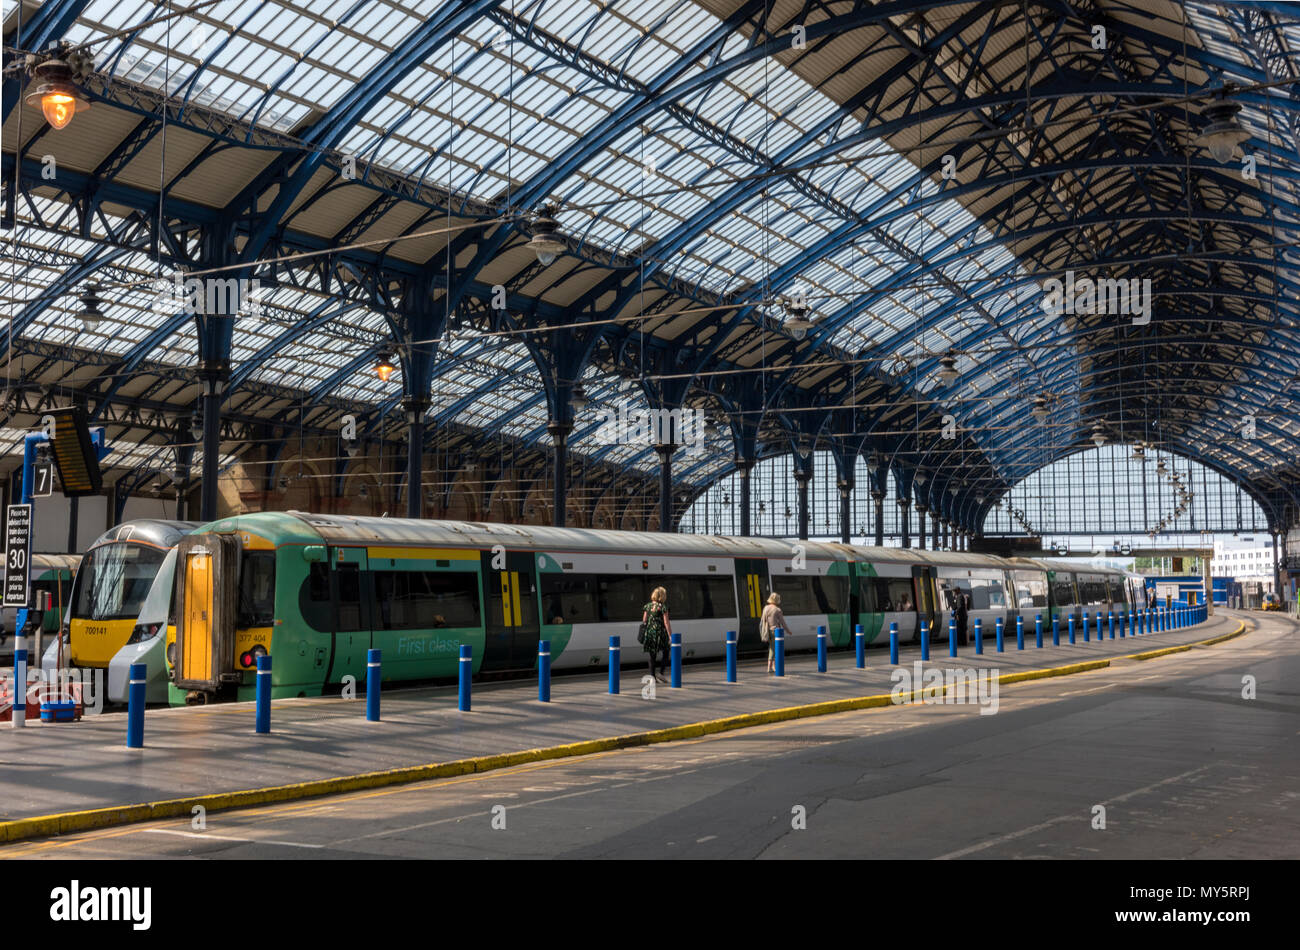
point(58, 711)
point(821, 649)
point(675, 657)
point(466, 674)
point(731, 656)
point(778, 637)
point(263, 694)
point(544, 671)
point(374, 675)
point(860, 642)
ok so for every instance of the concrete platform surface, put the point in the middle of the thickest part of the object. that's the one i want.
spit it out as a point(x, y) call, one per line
point(47, 769)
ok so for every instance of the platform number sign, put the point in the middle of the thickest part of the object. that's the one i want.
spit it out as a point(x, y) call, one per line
point(18, 552)
point(42, 479)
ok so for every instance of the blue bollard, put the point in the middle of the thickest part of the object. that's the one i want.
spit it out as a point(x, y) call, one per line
point(1071, 629)
point(997, 627)
point(1038, 631)
point(373, 676)
point(952, 637)
point(1056, 631)
point(263, 694)
point(614, 651)
point(1020, 632)
point(544, 671)
point(675, 657)
point(925, 640)
point(135, 704)
point(779, 652)
point(1112, 624)
point(893, 644)
point(731, 656)
point(20, 689)
point(979, 637)
point(860, 639)
point(1087, 628)
point(1099, 636)
point(821, 649)
point(466, 674)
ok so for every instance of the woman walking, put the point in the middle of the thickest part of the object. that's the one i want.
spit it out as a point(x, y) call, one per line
point(658, 628)
point(771, 620)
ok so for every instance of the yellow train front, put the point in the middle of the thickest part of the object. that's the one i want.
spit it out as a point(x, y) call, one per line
point(113, 579)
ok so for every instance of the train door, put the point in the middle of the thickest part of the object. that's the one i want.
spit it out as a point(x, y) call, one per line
point(512, 626)
point(352, 633)
point(208, 566)
point(751, 587)
point(926, 599)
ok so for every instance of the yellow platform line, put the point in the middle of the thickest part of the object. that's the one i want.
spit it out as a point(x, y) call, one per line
point(69, 822)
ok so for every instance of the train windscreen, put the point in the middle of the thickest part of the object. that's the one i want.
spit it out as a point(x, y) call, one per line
point(114, 580)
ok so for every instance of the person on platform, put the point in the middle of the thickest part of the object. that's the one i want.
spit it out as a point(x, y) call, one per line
point(658, 629)
point(772, 620)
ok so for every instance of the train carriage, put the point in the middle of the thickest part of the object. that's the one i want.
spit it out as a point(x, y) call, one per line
point(49, 574)
point(318, 591)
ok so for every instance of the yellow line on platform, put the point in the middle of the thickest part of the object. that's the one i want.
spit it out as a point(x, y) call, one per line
point(87, 820)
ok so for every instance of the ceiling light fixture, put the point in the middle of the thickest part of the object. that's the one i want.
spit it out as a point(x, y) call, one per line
point(546, 241)
point(90, 313)
point(385, 368)
point(1222, 135)
point(56, 92)
point(948, 367)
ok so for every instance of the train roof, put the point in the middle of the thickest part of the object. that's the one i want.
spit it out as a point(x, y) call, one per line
point(150, 530)
point(343, 529)
point(1065, 565)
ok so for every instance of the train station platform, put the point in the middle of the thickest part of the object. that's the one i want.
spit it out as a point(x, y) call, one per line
point(71, 777)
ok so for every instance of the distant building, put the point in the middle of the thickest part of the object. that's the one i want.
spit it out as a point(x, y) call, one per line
point(1244, 558)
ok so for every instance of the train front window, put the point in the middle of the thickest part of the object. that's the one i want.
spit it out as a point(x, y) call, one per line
point(257, 589)
point(114, 580)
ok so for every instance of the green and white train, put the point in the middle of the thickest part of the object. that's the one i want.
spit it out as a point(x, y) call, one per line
point(318, 591)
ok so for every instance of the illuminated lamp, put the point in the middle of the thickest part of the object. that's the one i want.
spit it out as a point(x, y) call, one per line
point(58, 96)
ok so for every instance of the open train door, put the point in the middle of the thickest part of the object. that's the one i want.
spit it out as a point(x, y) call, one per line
point(927, 602)
point(207, 578)
point(751, 595)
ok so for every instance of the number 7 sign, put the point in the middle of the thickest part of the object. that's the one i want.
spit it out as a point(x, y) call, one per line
point(42, 479)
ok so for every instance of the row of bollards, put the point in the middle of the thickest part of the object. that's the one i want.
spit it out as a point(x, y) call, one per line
point(1134, 623)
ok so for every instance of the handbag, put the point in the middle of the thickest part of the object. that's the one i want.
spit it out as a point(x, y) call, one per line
point(640, 634)
point(764, 630)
